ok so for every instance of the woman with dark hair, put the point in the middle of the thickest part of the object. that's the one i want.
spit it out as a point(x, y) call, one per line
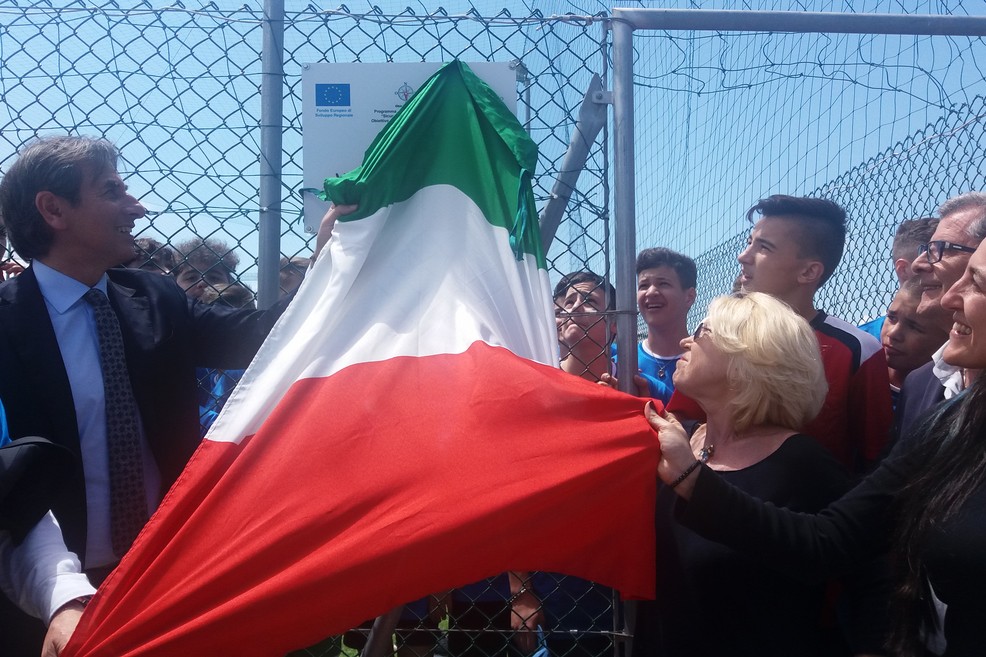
point(927, 502)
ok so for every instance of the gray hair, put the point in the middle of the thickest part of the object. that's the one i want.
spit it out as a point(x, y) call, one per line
point(54, 164)
point(968, 201)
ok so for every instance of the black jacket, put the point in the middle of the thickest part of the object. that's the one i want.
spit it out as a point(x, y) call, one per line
point(166, 336)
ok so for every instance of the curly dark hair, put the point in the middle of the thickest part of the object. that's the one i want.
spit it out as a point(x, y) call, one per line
point(682, 265)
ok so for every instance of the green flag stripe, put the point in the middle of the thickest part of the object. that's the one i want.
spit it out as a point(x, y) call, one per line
point(453, 131)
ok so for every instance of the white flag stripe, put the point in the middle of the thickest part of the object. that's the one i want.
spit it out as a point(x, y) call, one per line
point(363, 301)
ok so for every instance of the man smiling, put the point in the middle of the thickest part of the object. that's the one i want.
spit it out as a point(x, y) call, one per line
point(943, 259)
point(940, 263)
point(99, 359)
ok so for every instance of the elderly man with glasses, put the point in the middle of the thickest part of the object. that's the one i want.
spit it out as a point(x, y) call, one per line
point(939, 264)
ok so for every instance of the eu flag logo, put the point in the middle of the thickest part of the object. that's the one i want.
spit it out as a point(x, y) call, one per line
point(332, 95)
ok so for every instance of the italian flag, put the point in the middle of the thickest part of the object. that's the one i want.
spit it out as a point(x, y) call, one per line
point(404, 429)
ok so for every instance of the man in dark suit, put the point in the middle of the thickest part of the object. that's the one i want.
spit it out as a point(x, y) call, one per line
point(940, 263)
point(921, 391)
point(68, 211)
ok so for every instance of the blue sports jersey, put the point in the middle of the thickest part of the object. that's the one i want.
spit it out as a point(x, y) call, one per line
point(4, 433)
point(656, 371)
point(874, 326)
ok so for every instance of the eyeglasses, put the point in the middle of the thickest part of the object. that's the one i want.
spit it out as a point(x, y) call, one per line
point(700, 330)
point(935, 250)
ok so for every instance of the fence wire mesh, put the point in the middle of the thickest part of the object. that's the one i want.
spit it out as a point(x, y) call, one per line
point(179, 91)
point(887, 126)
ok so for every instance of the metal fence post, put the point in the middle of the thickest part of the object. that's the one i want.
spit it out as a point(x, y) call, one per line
point(623, 203)
point(271, 128)
point(625, 242)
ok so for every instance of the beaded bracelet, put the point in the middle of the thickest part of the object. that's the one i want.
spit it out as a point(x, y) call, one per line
point(684, 475)
point(703, 457)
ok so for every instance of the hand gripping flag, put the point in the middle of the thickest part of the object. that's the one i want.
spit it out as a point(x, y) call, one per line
point(402, 430)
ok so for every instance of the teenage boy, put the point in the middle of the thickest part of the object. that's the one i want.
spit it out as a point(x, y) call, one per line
point(585, 332)
point(910, 338)
point(665, 293)
point(793, 249)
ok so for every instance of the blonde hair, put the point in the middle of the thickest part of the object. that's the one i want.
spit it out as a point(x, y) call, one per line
point(775, 366)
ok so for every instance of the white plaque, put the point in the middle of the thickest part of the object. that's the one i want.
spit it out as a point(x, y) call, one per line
point(346, 105)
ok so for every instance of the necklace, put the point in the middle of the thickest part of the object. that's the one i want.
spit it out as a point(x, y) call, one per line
point(706, 453)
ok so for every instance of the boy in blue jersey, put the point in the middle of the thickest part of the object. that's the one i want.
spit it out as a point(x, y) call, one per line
point(666, 283)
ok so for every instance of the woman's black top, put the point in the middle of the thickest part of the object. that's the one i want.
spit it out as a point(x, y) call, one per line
point(853, 528)
point(713, 600)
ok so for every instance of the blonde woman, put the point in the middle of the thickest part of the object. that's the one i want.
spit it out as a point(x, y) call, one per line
point(926, 501)
point(754, 367)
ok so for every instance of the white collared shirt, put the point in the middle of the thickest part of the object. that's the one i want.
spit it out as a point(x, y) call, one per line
point(40, 575)
point(951, 377)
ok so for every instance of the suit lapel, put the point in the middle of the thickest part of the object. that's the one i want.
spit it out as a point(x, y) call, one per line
point(134, 312)
point(26, 326)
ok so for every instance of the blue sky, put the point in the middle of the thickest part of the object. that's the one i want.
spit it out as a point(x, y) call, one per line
point(721, 119)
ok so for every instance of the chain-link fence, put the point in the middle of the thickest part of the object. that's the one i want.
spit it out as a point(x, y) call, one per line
point(722, 120)
point(179, 91)
point(905, 181)
point(886, 125)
